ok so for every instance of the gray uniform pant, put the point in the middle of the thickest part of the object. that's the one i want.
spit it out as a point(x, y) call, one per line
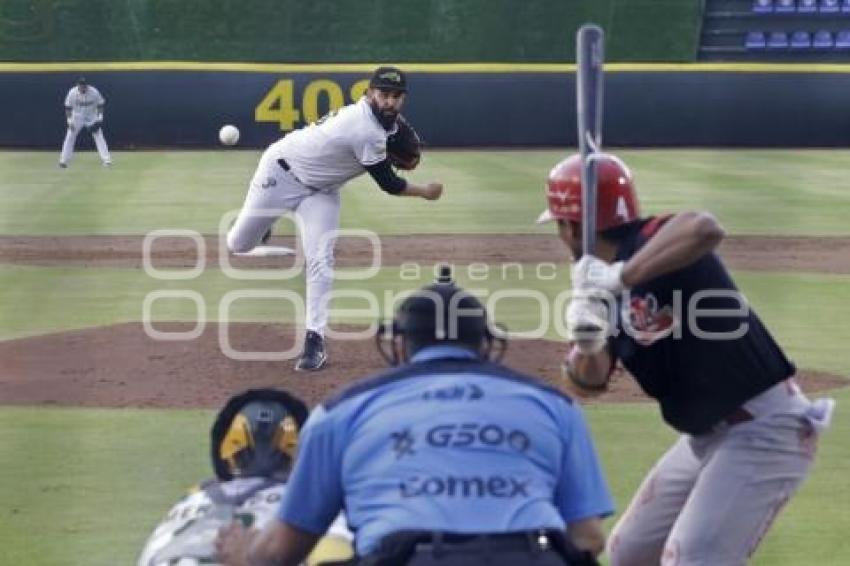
point(71, 138)
point(711, 498)
point(275, 192)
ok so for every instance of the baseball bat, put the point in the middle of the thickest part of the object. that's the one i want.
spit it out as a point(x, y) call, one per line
point(590, 57)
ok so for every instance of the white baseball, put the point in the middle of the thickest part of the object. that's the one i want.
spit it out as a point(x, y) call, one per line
point(228, 134)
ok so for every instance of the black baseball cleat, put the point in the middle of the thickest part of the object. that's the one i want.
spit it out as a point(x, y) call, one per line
point(313, 357)
point(63, 165)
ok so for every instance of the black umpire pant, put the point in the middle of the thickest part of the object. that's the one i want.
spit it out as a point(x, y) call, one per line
point(536, 548)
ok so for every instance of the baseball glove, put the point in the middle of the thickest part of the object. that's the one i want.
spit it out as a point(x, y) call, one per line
point(404, 148)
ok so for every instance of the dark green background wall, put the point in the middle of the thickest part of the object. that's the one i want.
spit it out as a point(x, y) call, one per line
point(341, 31)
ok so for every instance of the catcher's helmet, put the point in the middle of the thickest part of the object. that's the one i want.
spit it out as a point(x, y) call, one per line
point(616, 198)
point(441, 313)
point(256, 434)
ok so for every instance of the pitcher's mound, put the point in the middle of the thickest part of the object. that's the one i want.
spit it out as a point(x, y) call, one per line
point(120, 366)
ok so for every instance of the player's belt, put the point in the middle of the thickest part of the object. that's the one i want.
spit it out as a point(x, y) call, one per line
point(738, 416)
point(474, 543)
point(285, 166)
point(415, 547)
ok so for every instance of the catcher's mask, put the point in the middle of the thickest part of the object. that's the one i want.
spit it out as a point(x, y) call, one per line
point(441, 313)
point(256, 435)
point(616, 197)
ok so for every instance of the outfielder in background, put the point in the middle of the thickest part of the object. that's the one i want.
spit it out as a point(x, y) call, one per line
point(253, 443)
point(748, 433)
point(303, 172)
point(449, 459)
point(84, 109)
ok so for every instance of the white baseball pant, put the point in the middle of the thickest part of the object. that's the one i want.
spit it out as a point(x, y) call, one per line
point(78, 123)
point(710, 499)
point(272, 193)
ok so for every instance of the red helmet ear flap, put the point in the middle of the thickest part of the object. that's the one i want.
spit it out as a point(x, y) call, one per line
point(617, 201)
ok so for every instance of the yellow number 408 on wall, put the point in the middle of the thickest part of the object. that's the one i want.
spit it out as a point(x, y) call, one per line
point(279, 103)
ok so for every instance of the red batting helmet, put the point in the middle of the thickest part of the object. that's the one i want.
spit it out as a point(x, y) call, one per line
point(616, 198)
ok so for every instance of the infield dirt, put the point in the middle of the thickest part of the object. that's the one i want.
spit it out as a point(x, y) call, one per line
point(119, 365)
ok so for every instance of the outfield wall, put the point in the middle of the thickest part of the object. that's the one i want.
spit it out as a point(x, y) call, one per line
point(183, 105)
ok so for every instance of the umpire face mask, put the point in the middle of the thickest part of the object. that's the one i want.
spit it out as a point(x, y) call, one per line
point(386, 105)
point(439, 314)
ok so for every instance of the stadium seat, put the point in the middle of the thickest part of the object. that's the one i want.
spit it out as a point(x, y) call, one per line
point(807, 6)
point(842, 39)
point(845, 5)
point(801, 40)
point(762, 6)
point(777, 40)
point(822, 40)
point(755, 40)
point(829, 6)
point(785, 6)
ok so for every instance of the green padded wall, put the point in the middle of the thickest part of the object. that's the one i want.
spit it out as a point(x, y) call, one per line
point(342, 31)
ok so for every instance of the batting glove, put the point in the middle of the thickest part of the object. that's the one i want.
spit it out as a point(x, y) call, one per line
point(590, 272)
point(588, 323)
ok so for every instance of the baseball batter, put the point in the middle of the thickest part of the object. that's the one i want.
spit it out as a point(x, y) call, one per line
point(84, 109)
point(658, 300)
point(302, 174)
point(254, 439)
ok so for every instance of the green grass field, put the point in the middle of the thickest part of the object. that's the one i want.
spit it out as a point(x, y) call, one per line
point(753, 192)
point(84, 487)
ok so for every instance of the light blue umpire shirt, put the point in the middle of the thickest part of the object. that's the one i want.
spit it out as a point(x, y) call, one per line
point(445, 443)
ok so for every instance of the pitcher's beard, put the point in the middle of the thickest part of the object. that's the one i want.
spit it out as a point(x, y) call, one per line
point(386, 118)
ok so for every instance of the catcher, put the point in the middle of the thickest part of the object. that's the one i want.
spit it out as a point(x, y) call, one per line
point(253, 442)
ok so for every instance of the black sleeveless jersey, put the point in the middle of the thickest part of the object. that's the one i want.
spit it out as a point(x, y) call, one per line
point(691, 340)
